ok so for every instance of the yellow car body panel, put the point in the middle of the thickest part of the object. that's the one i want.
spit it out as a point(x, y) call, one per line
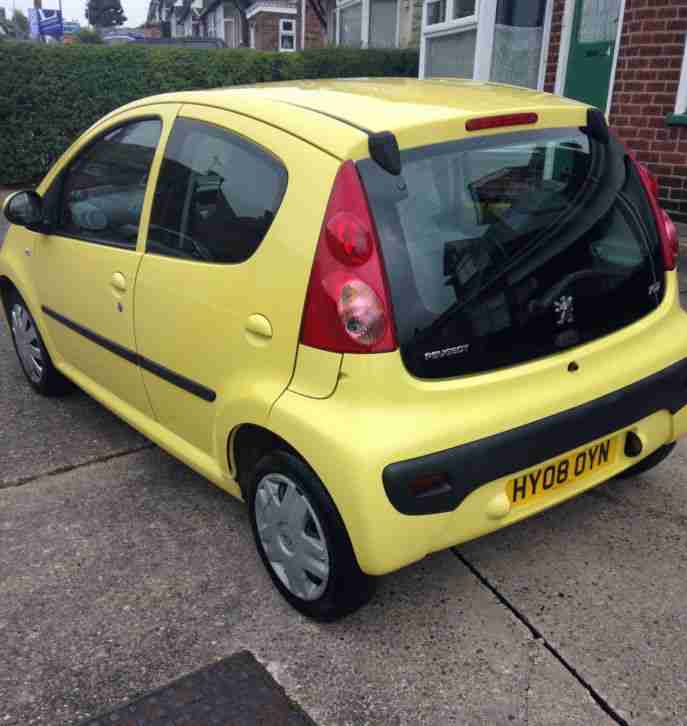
point(212, 305)
point(417, 112)
point(380, 414)
point(348, 416)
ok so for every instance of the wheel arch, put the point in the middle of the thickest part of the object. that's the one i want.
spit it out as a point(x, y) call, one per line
point(247, 444)
point(7, 287)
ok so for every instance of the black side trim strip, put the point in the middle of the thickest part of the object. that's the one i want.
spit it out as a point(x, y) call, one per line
point(469, 466)
point(166, 374)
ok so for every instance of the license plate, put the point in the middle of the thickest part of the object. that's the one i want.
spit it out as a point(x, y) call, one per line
point(571, 468)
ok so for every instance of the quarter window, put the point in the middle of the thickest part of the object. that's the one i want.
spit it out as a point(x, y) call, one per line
point(103, 189)
point(216, 196)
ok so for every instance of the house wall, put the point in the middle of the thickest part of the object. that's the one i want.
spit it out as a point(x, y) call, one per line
point(315, 36)
point(645, 90)
point(231, 13)
point(267, 30)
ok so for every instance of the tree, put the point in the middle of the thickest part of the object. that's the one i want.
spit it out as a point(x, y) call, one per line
point(21, 24)
point(105, 13)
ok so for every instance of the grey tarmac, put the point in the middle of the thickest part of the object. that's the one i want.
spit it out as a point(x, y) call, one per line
point(121, 570)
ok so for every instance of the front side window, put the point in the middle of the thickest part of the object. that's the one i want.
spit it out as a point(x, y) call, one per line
point(507, 248)
point(216, 195)
point(102, 191)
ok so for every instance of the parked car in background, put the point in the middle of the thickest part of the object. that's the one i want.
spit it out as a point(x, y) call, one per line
point(391, 315)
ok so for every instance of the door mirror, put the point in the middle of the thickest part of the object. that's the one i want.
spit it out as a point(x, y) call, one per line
point(24, 208)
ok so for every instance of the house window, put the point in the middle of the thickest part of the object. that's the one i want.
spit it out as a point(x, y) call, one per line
point(498, 40)
point(252, 36)
point(383, 23)
point(681, 103)
point(463, 9)
point(229, 33)
point(451, 55)
point(287, 35)
point(436, 12)
point(350, 25)
point(518, 39)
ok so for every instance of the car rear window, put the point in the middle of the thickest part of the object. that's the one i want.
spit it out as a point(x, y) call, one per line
point(506, 248)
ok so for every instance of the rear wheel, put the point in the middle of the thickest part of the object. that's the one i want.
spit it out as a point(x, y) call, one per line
point(648, 463)
point(31, 351)
point(302, 540)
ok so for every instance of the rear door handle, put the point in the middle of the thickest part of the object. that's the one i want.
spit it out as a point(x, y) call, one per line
point(118, 282)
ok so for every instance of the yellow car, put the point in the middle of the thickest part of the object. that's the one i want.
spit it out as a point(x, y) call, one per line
point(391, 315)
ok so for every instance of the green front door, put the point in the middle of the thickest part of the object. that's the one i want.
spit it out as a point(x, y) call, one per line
point(592, 46)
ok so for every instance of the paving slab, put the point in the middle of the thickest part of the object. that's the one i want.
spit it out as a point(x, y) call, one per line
point(604, 579)
point(39, 435)
point(120, 576)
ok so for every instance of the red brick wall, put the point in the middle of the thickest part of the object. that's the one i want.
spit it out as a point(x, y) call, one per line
point(554, 45)
point(646, 81)
point(651, 51)
point(314, 33)
point(267, 30)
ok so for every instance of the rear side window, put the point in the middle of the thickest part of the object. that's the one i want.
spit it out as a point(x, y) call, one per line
point(102, 191)
point(507, 248)
point(216, 195)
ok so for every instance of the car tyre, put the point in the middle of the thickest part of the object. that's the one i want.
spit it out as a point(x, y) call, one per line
point(33, 356)
point(303, 541)
point(648, 463)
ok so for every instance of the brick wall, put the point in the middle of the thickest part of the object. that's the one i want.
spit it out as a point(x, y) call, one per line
point(646, 82)
point(651, 51)
point(554, 45)
point(315, 36)
point(267, 30)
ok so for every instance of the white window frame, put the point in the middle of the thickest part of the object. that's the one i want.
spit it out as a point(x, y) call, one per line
point(484, 21)
point(365, 20)
point(287, 33)
point(681, 98)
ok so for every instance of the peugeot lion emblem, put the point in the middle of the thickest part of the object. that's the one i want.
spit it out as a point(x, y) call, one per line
point(563, 307)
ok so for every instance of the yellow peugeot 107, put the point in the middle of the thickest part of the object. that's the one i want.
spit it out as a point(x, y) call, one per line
point(391, 315)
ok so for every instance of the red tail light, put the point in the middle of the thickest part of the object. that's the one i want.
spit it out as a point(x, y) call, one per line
point(348, 307)
point(670, 243)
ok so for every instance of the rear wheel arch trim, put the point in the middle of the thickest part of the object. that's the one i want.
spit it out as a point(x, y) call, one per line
point(247, 444)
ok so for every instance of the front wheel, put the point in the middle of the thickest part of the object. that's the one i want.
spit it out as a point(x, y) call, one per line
point(302, 540)
point(32, 353)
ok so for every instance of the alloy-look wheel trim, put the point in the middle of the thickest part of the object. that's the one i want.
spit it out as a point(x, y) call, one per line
point(291, 536)
point(26, 340)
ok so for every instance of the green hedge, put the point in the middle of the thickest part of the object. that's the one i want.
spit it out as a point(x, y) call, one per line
point(50, 94)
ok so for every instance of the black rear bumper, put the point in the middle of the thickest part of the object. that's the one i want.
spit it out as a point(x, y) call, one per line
point(464, 468)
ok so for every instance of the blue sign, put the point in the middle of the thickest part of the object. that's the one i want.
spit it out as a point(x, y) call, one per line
point(45, 22)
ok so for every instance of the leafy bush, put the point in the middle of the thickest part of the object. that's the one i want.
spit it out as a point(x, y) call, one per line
point(50, 94)
point(85, 35)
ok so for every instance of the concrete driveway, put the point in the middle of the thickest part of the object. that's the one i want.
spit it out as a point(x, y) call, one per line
point(121, 570)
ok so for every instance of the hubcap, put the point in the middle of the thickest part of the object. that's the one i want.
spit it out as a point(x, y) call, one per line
point(291, 536)
point(26, 339)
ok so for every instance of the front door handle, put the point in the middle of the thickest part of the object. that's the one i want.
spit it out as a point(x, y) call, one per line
point(118, 282)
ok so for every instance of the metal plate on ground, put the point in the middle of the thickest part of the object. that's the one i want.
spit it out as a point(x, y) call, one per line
point(236, 691)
